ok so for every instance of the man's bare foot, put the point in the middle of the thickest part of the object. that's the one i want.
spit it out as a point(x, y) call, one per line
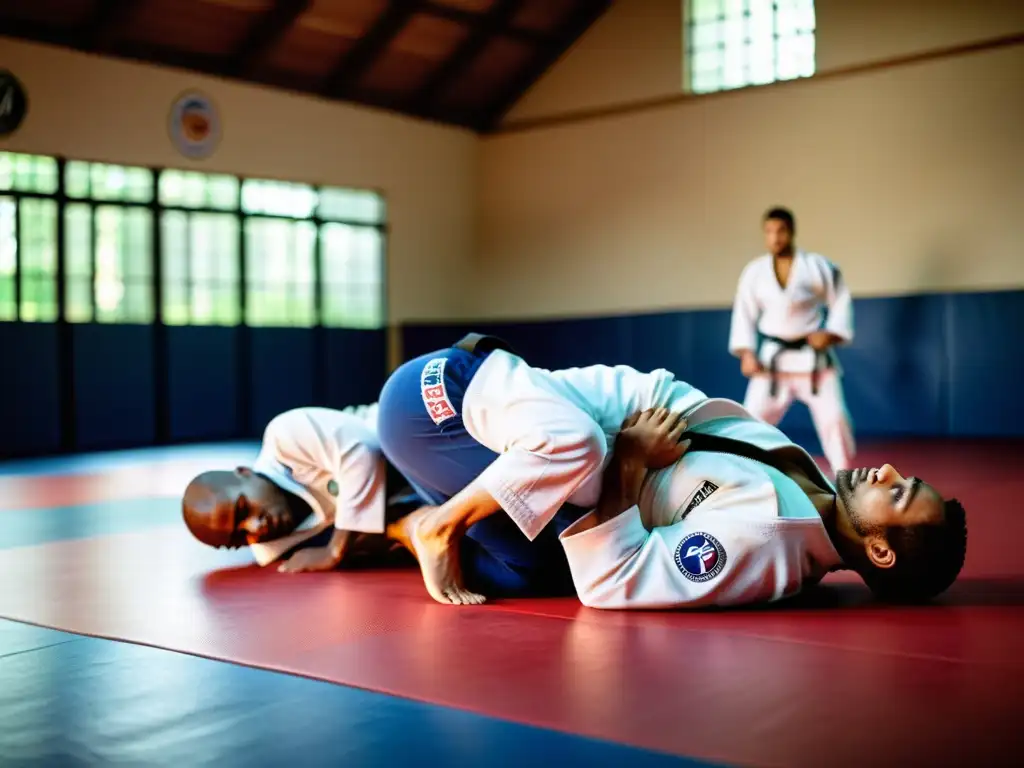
point(438, 555)
point(401, 530)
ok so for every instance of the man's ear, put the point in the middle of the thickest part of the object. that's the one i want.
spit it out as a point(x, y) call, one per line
point(879, 552)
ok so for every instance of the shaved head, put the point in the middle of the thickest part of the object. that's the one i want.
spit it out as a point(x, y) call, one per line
point(232, 508)
point(205, 500)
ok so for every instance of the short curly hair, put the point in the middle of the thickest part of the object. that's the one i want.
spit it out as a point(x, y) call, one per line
point(784, 215)
point(928, 558)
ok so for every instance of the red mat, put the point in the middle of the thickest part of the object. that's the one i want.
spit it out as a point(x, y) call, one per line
point(812, 685)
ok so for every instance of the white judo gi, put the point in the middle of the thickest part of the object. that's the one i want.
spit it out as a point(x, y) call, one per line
point(332, 460)
point(554, 429)
point(762, 306)
point(713, 529)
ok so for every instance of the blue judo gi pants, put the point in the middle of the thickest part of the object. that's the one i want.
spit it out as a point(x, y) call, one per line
point(440, 459)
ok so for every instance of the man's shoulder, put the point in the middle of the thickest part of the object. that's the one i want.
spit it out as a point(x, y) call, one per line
point(819, 259)
point(320, 422)
point(758, 262)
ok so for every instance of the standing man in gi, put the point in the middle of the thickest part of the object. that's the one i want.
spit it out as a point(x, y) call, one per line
point(792, 308)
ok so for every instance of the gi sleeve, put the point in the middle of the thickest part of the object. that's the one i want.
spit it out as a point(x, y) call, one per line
point(340, 455)
point(361, 501)
point(745, 313)
point(840, 305)
point(551, 448)
point(620, 564)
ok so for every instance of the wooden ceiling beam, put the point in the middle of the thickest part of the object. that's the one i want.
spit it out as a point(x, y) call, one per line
point(486, 27)
point(95, 33)
point(341, 82)
point(575, 24)
point(469, 18)
point(269, 30)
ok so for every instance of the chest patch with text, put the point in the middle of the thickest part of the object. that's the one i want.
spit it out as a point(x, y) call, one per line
point(706, 489)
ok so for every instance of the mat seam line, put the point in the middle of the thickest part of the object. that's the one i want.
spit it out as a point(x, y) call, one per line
point(355, 686)
point(41, 647)
point(798, 642)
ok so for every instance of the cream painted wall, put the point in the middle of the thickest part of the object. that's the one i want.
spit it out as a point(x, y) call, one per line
point(634, 52)
point(93, 108)
point(851, 33)
point(911, 178)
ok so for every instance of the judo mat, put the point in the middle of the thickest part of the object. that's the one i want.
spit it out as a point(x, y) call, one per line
point(95, 548)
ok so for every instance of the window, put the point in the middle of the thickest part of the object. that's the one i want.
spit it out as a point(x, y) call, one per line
point(737, 43)
point(8, 258)
point(201, 249)
point(351, 265)
point(284, 254)
point(108, 243)
point(200, 274)
point(37, 241)
point(352, 284)
point(28, 238)
point(309, 255)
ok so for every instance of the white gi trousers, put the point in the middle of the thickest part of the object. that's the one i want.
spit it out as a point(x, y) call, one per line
point(828, 409)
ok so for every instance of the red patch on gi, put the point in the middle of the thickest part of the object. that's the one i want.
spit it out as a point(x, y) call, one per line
point(435, 396)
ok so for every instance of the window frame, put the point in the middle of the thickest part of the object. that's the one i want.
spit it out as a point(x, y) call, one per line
point(156, 256)
point(690, 22)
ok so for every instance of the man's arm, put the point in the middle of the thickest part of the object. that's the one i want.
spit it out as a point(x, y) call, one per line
point(346, 451)
point(620, 564)
point(620, 487)
point(839, 325)
point(547, 448)
point(616, 562)
point(743, 325)
point(319, 558)
point(840, 307)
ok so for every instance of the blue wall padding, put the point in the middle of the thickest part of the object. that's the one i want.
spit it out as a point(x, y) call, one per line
point(925, 366)
point(202, 373)
point(29, 394)
point(114, 396)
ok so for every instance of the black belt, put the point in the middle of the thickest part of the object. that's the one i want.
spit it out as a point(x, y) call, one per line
point(481, 344)
point(700, 441)
point(822, 360)
point(718, 444)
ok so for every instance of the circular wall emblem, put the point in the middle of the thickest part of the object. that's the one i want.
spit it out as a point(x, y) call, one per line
point(700, 557)
point(194, 125)
point(13, 103)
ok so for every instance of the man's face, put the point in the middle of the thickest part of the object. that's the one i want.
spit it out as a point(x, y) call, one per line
point(250, 510)
point(876, 499)
point(777, 236)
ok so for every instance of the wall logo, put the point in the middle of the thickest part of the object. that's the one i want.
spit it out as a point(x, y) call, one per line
point(435, 395)
point(700, 557)
point(13, 103)
point(194, 125)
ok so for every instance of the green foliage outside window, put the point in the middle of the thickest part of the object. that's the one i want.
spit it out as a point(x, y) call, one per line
point(298, 244)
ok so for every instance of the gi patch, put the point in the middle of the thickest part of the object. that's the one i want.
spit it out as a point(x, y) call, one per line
point(700, 557)
point(434, 393)
point(332, 487)
point(702, 493)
